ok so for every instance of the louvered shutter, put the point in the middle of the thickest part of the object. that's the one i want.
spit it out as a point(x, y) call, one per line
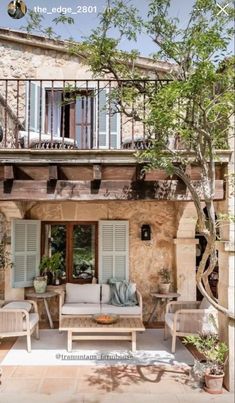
point(35, 106)
point(113, 250)
point(25, 251)
point(109, 122)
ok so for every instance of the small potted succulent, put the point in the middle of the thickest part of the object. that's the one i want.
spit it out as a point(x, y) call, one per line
point(215, 353)
point(164, 285)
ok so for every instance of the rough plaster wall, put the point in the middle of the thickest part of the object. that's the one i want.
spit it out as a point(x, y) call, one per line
point(146, 258)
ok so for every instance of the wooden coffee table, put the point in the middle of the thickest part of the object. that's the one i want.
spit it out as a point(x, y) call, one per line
point(87, 329)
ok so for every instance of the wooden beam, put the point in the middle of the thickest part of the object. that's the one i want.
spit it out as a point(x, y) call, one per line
point(8, 172)
point(53, 173)
point(172, 190)
point(97, 172)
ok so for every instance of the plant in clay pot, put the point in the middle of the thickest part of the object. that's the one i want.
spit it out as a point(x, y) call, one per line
point(164, 285)
point(215, 353)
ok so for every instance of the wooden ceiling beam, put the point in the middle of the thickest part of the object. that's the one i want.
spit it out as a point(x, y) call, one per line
point(97, 172)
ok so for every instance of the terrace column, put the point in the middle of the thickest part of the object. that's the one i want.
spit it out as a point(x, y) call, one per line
point(226, 292)
point(185, 253)
point(11, 210)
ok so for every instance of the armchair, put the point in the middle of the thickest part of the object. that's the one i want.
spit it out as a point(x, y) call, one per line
point(184, 318)
point(17, 319)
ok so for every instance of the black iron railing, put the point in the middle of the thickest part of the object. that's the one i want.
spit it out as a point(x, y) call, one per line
point(75, 114)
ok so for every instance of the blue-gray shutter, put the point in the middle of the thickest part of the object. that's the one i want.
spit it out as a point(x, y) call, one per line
point(25, 237)
point(105, 122)
point(113, 250)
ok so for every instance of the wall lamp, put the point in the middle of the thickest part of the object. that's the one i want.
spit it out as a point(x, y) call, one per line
point(145, 232)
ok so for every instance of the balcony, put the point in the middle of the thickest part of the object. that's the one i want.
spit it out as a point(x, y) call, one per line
point(74, 114)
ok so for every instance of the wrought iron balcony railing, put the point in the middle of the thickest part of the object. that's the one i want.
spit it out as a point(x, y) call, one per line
point(74, 114)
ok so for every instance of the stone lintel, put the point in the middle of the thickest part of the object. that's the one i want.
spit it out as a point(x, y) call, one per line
point(186, 241)
point(225, 246)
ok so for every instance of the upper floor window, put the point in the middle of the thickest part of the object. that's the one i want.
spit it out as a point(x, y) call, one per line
point(85, 115)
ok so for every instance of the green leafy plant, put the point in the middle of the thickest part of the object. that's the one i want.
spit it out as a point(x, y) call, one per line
point(213, 350)
point(165, 275)
point(52, 264)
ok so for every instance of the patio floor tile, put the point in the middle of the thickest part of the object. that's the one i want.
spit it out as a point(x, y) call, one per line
point(29, 372)
point(94, 379)
point(8, 371)
point(19, 385)
point(57, 386)
point(61, 372)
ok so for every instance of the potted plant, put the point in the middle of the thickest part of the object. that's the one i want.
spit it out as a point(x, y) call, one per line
point(40, 284)
point(50, 266)
point(215, 353)
point(164, 285)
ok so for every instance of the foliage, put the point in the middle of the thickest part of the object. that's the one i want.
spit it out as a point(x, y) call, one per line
point(213, 350)
point(165, 275)
point(52, 264)
point(194, 106)
point(5, 256)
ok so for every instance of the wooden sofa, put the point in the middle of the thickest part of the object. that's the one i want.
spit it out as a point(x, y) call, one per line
point(90, 299)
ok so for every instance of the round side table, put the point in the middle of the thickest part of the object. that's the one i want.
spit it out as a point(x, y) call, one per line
point(44, 296)
point(161, 298)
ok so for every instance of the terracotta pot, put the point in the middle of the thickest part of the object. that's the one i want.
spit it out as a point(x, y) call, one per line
point(214, 383)
point(163, 288)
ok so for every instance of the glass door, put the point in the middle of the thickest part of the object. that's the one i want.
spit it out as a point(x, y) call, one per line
point(83, 252)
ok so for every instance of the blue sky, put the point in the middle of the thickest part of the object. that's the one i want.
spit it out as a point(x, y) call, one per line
point(84, 22)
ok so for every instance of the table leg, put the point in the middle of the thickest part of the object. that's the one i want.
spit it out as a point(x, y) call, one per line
point(133, 342)
point(153, 313)
point(69, 341)
point(48, 313)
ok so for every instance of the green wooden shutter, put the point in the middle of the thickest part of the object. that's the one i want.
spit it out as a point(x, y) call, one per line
point(26, 236)
point(113, 250)
point(105, 122)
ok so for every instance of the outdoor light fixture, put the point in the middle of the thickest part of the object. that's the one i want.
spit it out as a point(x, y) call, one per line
point(145, 232)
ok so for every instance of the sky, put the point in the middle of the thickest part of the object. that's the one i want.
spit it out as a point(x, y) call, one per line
point(85, 14)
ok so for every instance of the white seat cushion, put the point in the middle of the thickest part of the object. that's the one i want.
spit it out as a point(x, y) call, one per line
point(80, 309)
point(83, 293)
point(169, 319)
point(33, 320)
point(121, 310)
point(18, 305)
point(106, 294)
point(205, 304)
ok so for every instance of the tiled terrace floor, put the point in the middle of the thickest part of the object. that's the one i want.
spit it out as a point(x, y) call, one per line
point(93, 384)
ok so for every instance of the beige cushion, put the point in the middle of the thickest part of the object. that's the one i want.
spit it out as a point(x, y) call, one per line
point(83, 293)
point(205, 304)
point(80, 309)
point(169, 319)
point(33, 320)
point(18, 305)
point(106, 294)
point(121, 310)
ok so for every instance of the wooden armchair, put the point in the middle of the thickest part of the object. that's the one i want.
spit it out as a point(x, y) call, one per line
point(19, 318)
point(183, 318)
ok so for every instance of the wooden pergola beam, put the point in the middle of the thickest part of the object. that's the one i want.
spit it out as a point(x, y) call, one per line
point(171, 190)
point(97, 172)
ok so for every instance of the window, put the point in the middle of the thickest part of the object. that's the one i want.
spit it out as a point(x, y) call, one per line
point(78, 243)
point(70, 116)
point(87, 116)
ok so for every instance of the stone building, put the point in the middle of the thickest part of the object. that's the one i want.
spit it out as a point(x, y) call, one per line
point(70, 179)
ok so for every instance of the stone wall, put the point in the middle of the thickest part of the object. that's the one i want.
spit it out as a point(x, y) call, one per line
point(22, 61)
point(146, 257)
